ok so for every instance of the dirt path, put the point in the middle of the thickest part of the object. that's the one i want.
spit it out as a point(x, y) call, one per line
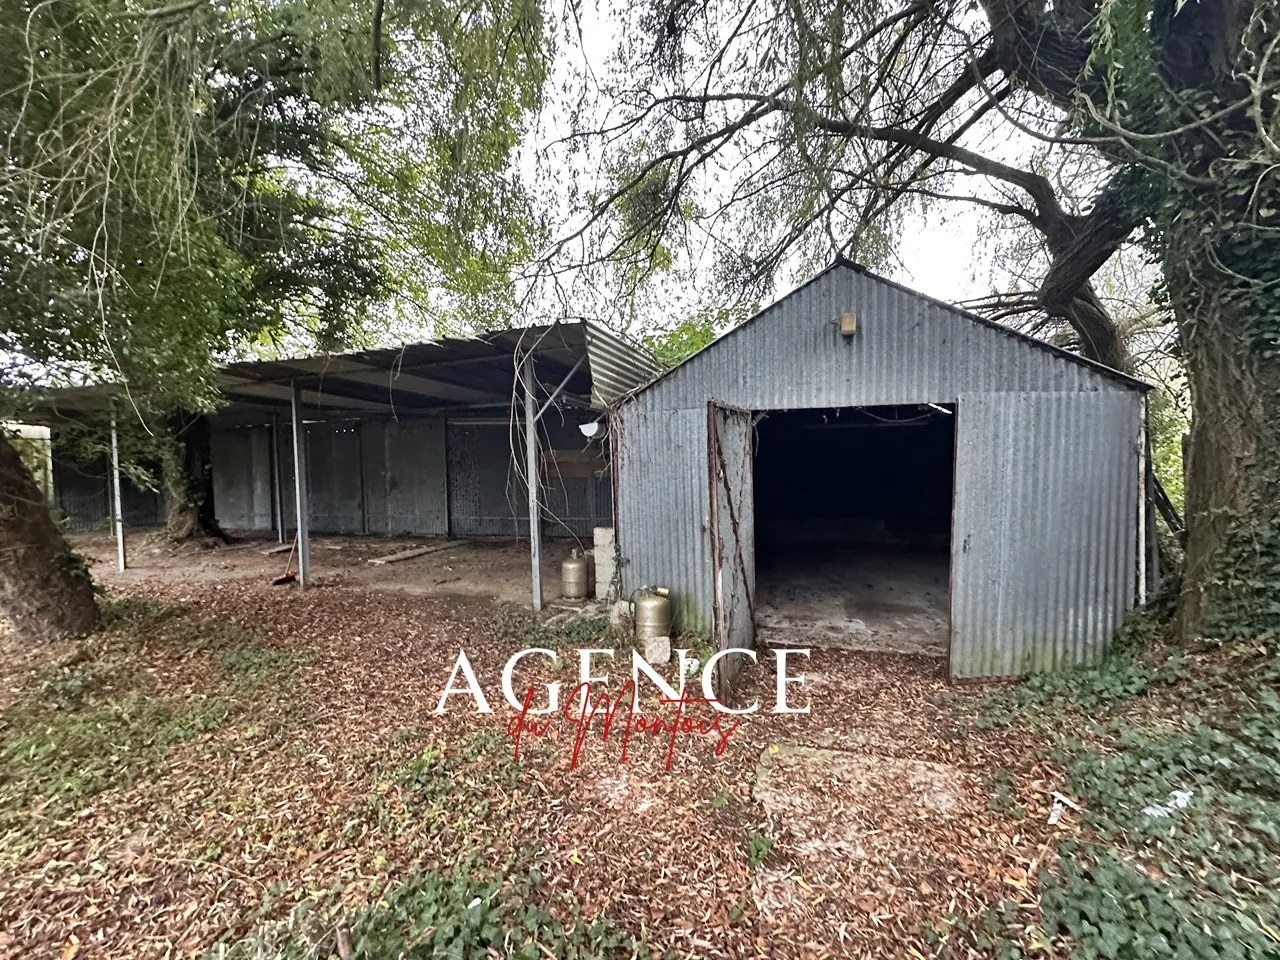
point(495, 568)
point(842, 832)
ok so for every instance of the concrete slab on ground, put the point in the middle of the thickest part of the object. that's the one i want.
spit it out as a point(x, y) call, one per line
point(871, 600)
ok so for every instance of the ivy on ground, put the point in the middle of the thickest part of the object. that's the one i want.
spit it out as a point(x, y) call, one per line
point(1180, 787)
point(434, 914)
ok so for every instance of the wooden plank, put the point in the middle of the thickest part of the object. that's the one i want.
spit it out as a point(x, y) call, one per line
point(278, 548)
point(575, 463)
point(415, 552)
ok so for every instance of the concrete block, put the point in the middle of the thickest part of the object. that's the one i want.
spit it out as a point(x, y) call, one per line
point(657, 649)
point(604, 561)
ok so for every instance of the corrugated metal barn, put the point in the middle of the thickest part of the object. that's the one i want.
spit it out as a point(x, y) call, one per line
point(431, 438)
point(863, 466)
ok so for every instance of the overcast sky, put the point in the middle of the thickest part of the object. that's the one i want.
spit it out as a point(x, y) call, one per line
point(941, 256)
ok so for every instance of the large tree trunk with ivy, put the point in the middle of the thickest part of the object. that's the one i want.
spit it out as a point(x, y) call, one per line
point(1230, 334)
point(188, 475)
point(45, 590)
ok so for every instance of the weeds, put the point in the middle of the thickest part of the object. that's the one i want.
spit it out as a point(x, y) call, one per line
point(66, 757)
point(463, 913)
point(256, 667)
point(443, 789)
point(120, 610)
point(1180, 854)
point(1042, 697)
point(759, 846)
point(527, 630)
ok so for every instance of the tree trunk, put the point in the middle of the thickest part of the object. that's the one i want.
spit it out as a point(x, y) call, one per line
point(45, 589)
point(188, 474)
point(1231, 578)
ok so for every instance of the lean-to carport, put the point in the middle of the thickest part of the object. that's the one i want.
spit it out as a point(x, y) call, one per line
point(510, 377)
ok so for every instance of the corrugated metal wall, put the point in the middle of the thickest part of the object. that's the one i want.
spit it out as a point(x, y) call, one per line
point(335, 467)
point(389, 478)
point(242, 497)
point(81, 491)
point(909, 349)
point(1044, 546)
point(405, 486)
point(663, 506)
point(486, 496)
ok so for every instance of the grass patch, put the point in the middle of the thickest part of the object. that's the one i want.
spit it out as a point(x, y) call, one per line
point(256, 667)
point(124, 610)
point(61, 759)
point(526, 630)
point(463, 913)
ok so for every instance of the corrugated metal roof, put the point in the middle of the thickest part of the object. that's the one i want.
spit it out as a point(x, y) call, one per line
point(596, 366)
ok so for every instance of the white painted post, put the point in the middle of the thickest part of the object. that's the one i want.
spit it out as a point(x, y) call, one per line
point(1142, 506)
point(300, 486)
point(117, 509)
point(531, 467)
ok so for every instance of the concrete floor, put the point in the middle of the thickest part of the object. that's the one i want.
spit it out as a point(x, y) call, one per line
point(871, 599)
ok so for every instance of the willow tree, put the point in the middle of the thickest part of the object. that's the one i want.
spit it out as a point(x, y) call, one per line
point(186, 182)
point(804, 129)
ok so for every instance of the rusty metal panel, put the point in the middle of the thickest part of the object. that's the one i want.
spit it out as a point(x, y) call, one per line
point(1044, 547)
point(731, 468)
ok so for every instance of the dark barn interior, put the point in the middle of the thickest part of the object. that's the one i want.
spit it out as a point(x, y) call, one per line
point(853, 527)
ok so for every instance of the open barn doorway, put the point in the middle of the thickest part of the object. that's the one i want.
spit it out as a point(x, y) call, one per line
point(853, 527)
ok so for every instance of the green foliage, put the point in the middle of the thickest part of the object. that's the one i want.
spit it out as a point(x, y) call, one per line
point(529, 631)
point(1169, 423)
point(256, 667)
point(678, 343)
point(192, 180)
point(998, 931)
point(1196, 880)
point(63, 758)
point(124, 610)
point(1001, 795)
point(1180, 854)
point(462, 913)
point(1077, 689)
point(674, 344)
point(759, 846)
point(1246, 585)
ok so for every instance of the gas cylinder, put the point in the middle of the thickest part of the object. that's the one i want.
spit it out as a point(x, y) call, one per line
point(652, 613)
point(573, 576)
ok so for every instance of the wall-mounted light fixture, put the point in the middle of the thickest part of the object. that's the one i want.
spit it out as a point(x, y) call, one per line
point(592, 430)
point(848, 323)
